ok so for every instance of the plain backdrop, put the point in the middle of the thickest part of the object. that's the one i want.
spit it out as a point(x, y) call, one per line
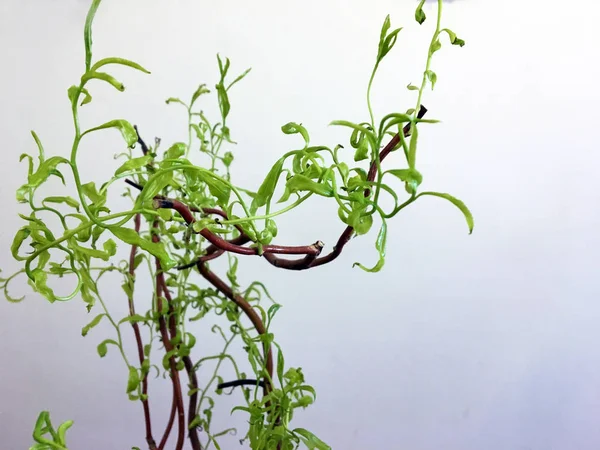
point(488, 341)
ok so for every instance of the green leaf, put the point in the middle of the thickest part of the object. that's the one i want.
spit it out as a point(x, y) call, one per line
point(412, 146)
point(411, 177)
point(155, 185)
point(302, 183)
point(39, 282)
point(202, 89)
point(75, 91)
point(311, 441)
point(362, 152)
point(87, 33)
point(224, 105)
point(175, 100)
point(67, 200)
point(157, 249)
point(217, 187)
point(46, 168)
point(412, 87)
point(391, 120)
point(119, 61)
point(110, 249)
point(62, 432)
point(435, 46)
point(280, 365)
point(380, 246)
point(295, 128)
point(133, 380)
point(133, 319)
point(95, 321)
point(386, 41)
point(103, 77)
point(361, 222)
point(420, 14)
point(453, 39)
point(431, 75)
point(456, 202)
point(126, 129)
point(87, 99)
point(265, 192)
point(21, 235)
point(133, 164)
point(90, 191)
point(227, 159)
point(367, 132)
point(176, 150)
point(103, 346)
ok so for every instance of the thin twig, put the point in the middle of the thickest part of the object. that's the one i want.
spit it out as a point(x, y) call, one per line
point(244, 382)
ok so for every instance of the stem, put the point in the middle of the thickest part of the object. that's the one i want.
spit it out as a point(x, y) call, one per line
point(243, 304)
point(140, 345)
point(192, 431)
point(184, 211)
point(177, 391)
point(430, 54)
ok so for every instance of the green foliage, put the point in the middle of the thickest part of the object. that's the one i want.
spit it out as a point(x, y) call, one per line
point(82, 249)
point(46, 437)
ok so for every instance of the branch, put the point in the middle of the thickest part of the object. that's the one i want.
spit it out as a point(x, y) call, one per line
point(303, 264)
point(243, 304)
point(192, 431)
point(222, 244)
point(170, 422)
point(141, 141)
point(177, 392)
point(140, 345)
point(244, 382)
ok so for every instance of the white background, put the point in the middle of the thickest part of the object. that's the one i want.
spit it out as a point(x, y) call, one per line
point(488, 341)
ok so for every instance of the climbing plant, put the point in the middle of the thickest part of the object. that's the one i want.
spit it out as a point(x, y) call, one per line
point(186, 212)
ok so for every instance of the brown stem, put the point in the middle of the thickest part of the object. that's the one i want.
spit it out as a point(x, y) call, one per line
point(254, 317)
point(219, 242)
point(140, 344)
point(170, 422)
point(164, 331)
point(141, 141)
point(189, 367)
point(192, 431)
point(302, 264)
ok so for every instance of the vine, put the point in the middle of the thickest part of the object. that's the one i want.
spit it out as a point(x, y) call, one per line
point(187, 213)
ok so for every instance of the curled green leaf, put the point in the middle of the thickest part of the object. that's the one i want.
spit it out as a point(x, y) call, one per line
point(267, 188)
point(103, 77)
point(456, 202)
point(380, 244)
point(302, 183)
point(156, 249)
point(95, 321)
point(103, 346)
point(126, 129)
point(311, 441)
point(134, 164)
point(296, 128)
point(133, 381)
point(419, 13)
point(432, 77)
point(119, 61)
point(70, 201)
